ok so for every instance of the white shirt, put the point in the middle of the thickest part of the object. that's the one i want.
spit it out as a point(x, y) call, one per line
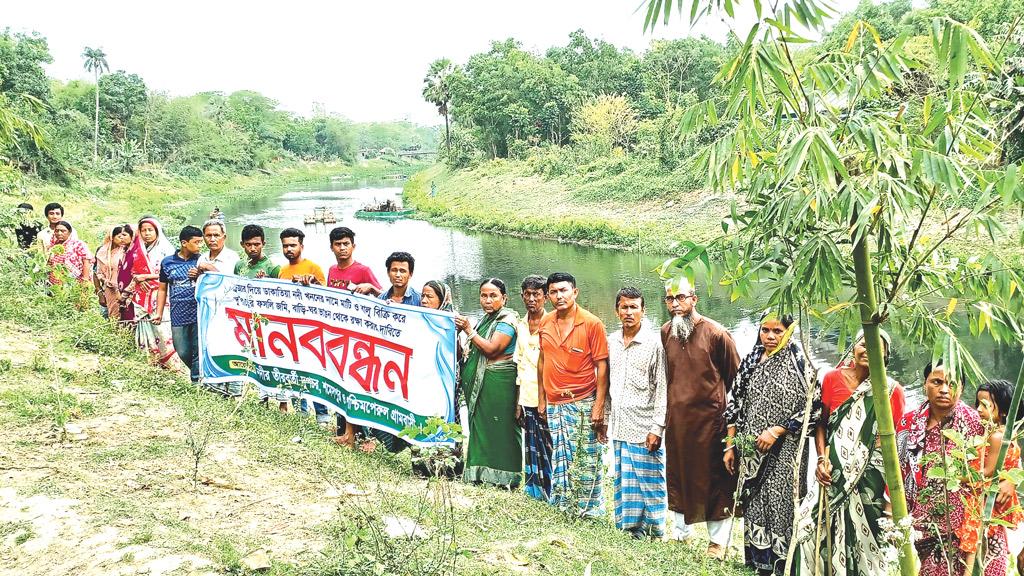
point(638, 387)
point(526, 356)
point(224, 262)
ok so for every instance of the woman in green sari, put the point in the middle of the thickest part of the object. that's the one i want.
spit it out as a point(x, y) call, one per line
point(845, 537)
point(495, 452)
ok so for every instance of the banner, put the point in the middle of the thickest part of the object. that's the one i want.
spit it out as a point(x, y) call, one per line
point(381, 364)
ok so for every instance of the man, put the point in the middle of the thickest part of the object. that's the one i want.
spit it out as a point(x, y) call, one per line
point(28, 227)
point(298, 269)
point(54, 213)
point(256, 264)
point(636, 420)
point(701, 363)
point(177, 285)
point(400, 267)
point(572, 376)
point(348, 274)
point(537, 439)
point(218, 258)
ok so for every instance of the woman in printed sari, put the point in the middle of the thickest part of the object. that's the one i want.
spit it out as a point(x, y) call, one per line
point(108, 265)
point(495, 453)
point(139, 278)
point(848, 540)
point(766, 405)
point(67, 258)
point(940, 515)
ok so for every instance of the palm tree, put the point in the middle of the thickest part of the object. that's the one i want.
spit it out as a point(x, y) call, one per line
point(437, 91)
point(96, 62)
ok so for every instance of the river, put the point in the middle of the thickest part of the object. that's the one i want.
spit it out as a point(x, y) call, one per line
point(463, 258)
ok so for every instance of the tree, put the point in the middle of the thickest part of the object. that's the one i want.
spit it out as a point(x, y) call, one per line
point(599, 67)
point(850, 200)
point(437, 91)
point(605, 123)
point(124, 95)
point(96, 62)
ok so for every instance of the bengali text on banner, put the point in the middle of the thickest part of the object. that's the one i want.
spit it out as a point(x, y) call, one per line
point(380, 364)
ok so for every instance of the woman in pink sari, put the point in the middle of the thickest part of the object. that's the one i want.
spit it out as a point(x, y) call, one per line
point(138, 278)
point(68, 258)
point(108, 268)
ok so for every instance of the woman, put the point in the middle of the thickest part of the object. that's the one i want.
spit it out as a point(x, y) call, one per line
point(68, 258)
point(108, 264)
point(851, 471)
point(139, 277)
point(495, 453)
point(766, 406)
point(938, 513)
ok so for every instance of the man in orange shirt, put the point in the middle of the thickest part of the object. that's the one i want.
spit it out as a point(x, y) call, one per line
point(299, 269)
point(572, 376)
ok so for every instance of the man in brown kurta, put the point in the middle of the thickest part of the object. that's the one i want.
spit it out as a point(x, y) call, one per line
point(701, 362)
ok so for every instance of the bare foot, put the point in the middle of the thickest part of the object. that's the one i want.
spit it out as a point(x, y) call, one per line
point(716, 551)
point(345, 440)
point(368, 446)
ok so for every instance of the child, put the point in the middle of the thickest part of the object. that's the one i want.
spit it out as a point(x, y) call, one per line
point(177, 286)
point(993, 402)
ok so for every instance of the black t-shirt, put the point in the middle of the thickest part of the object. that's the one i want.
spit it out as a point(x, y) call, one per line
point(27, 233)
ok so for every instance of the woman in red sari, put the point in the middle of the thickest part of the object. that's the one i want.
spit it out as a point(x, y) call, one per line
point(138, 279)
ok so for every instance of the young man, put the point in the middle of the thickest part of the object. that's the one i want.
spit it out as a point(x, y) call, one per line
point(54, 213)
point(218, 258)
point(348, 274)
point(298, 269)
point(256, 264)
point(536, 438)
point(572, 375)
point(636, 419)
point(179, 288)
point(400, 268)
point(28, 227)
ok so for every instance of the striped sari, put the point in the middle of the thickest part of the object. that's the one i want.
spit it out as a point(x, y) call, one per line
point(495, 451)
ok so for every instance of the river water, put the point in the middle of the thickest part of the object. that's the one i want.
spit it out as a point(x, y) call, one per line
point(463, 258)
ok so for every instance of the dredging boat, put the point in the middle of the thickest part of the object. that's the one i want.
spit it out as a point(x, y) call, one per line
point(320, 214)
point(386, 210)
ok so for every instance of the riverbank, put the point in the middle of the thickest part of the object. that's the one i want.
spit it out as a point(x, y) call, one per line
point(507, 197)
point(111, 466)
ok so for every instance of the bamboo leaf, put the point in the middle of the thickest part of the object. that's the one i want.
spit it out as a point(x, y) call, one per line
point(951, 307)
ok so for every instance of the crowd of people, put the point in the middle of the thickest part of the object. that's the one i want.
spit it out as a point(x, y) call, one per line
point(697, 432)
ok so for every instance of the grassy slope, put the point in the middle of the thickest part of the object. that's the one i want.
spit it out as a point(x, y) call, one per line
point(506, 197)
point(124, 500)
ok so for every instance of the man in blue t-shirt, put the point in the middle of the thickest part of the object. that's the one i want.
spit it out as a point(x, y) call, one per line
point(180, 290)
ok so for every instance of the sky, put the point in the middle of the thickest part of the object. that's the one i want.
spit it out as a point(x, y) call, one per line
point(363, 60)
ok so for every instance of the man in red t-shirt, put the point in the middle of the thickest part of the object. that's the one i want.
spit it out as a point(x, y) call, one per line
point(572, 377)
point(349, 275)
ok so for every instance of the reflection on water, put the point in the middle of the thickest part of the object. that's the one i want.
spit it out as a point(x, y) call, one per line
point(462, 259)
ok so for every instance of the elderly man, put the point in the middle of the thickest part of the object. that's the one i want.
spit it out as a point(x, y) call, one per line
point(636, 420)
point(701, 363)
point(536, 437)
point(218, 258)
point(572, 375)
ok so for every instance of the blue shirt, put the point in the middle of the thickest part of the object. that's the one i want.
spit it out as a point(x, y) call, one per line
point(181, 290)
point(412, 297)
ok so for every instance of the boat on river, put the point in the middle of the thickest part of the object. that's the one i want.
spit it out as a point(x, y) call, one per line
point(320, 214)
point(386, 210)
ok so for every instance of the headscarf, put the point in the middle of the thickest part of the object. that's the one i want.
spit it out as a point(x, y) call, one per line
point(444, 293)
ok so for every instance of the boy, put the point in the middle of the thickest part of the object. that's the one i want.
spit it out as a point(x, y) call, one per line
point(179, 288)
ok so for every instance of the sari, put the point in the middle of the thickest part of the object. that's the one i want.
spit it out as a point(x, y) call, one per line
point(851, 542)
point(939, 514)
point(142, 259)
point(70, 259)
point(770, 392)
point(495, 452)
point(108, 265)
